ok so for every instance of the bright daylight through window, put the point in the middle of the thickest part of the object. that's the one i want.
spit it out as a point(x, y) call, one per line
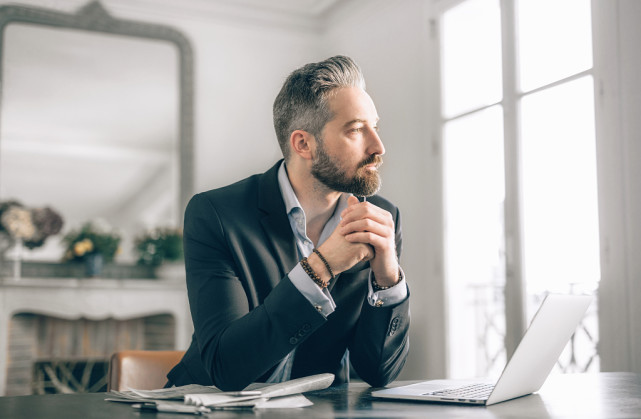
point(553, 113)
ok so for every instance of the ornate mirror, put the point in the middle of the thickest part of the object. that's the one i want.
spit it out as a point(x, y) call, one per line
point(96, 120)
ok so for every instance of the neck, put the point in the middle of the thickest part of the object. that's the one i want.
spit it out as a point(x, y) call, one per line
point(317, 200)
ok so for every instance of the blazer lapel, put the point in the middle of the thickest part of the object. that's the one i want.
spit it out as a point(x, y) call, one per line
point(275, 221)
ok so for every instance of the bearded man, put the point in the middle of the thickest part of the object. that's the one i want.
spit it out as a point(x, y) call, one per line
point(295, 271)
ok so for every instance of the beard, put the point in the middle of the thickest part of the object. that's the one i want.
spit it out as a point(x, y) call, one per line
point(365, 182)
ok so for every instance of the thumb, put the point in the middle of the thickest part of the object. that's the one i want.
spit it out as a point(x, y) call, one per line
point(352, 200)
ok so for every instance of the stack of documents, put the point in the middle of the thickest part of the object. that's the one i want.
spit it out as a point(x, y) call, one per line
point(202, 399)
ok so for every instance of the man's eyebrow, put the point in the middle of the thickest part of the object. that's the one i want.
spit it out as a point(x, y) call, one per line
point(356, 121)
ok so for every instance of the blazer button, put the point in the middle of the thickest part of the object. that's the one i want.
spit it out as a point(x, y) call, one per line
point(306, 327)
point(293, 341)
point(393, 326)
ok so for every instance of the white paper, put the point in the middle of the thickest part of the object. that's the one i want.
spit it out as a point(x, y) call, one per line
point(287, 402)
point(172, 393)
point(220, 399)
point(295, 386)
point(258, 395)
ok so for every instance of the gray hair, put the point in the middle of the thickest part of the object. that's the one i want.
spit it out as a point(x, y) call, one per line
point(302, 103)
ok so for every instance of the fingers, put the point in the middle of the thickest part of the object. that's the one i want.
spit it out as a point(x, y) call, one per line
point(367, 223)
point(368, 253)
point(366, 232)
point(342, 254)
point(364, 210)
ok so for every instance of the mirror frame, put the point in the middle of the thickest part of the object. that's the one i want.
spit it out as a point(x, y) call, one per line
point(94, 18)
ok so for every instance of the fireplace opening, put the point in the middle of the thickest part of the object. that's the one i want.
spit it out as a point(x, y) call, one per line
point(52, 355)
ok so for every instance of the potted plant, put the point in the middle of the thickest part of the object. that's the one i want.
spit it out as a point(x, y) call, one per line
point(162, 248)
point(95, 243)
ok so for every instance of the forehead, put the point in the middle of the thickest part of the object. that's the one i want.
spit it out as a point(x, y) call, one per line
point(351, 104)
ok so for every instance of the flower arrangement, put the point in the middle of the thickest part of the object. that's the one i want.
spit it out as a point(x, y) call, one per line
point(93, 237)
point(158, 245)
point(30, 225)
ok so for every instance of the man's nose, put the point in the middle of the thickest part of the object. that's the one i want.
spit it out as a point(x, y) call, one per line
point(374, 143)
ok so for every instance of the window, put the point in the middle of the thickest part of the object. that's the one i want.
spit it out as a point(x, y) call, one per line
point(520, 172)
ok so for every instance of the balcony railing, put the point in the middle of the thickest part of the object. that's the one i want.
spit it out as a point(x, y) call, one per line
point(580, 354)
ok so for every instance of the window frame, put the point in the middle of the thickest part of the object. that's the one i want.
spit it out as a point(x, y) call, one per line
point(515, 287)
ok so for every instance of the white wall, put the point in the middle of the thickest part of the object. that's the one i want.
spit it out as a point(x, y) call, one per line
point(391, 43)
point(618, 107)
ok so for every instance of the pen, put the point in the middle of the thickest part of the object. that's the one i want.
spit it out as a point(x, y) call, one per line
point(248, 407)
point(170, 408)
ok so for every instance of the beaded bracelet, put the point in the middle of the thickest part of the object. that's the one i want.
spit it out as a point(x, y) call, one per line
point(331, 273)
point(377, 287)
point(310, 272)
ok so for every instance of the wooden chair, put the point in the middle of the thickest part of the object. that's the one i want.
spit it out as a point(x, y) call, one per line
point(143, 370)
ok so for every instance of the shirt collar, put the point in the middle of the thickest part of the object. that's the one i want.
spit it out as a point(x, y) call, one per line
point(289, 196)
point(286, 190)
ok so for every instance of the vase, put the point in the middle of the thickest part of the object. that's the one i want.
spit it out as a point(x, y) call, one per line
point(93, 264)
point(17, 260)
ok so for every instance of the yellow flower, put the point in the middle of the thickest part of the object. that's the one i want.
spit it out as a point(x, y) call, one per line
point(82, 247)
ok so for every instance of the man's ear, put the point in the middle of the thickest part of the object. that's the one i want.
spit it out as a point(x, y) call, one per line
point(301, 143)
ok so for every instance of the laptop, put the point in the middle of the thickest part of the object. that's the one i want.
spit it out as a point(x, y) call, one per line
point(539, 349)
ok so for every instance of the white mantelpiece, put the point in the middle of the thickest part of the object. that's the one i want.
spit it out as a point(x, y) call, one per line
point(94, 299)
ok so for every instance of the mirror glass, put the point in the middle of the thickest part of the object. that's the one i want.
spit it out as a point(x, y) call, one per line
point(90, 127)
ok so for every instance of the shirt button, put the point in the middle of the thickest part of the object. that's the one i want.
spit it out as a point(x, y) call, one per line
point(379, 303)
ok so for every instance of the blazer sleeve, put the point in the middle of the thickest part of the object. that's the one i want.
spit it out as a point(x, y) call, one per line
point(237, 344)
point(380, 345)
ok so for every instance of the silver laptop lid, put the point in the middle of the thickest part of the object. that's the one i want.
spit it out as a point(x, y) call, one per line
point(550, 329)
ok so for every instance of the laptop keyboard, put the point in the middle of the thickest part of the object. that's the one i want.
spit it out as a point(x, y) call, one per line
point(472, 391)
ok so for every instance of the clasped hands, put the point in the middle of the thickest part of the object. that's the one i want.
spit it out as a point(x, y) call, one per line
point(366, 232)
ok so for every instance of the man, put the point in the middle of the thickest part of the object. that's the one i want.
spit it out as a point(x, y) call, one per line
point(288, 273)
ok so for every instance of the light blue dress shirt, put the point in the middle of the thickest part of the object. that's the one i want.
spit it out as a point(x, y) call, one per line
point(321, 299)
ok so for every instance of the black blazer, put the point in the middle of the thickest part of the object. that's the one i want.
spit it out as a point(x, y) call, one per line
point(239, 248)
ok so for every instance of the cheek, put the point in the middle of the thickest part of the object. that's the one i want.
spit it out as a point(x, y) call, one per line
point(347, 156)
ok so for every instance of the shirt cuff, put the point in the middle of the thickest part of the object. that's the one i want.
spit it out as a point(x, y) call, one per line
point(388, 297)
point(321, 299)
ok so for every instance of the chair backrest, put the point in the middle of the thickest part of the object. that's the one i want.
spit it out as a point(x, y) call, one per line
point(143, 370)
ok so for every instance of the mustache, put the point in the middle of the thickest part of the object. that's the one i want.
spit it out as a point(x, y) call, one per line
point(376, 159)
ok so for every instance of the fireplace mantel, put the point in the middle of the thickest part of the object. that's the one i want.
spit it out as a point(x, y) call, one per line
point(94, 299)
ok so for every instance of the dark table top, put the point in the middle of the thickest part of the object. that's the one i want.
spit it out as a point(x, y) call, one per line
point(604, 395)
